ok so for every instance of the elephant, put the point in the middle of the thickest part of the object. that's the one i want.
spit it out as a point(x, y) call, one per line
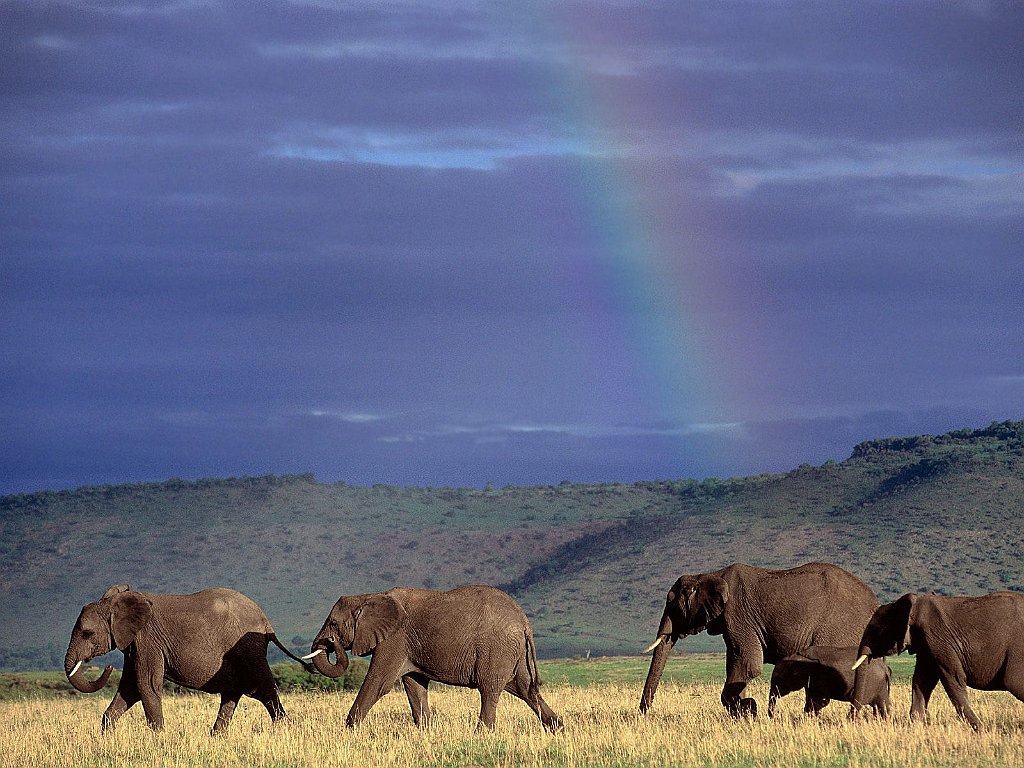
point(214, 641)
point(825, 673)
point(473, 636)
point(964, 642)
point(763, 616)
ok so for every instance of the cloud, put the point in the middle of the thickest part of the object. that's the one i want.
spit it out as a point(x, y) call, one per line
point(400, 241)
point(350, 417)
point(472, 150)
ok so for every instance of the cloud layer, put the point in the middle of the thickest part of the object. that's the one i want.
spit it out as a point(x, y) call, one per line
point(446, 243)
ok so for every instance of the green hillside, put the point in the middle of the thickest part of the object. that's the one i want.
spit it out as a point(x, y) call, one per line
point(590, 563)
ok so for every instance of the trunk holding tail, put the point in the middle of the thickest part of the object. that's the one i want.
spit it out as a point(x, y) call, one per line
point(323, 663)
point(76, 676)
point(273, 638)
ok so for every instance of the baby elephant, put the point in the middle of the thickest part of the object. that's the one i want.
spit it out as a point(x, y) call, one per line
point(474, 636)
point(826, 673)
point(214, 641)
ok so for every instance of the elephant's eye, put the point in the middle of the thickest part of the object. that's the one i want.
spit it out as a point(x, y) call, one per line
point(87, 633)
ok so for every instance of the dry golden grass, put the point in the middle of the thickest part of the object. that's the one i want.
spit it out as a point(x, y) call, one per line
point(687, 727)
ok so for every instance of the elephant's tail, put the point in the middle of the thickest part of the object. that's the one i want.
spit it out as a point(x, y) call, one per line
point(305, 664)
point(531, 665)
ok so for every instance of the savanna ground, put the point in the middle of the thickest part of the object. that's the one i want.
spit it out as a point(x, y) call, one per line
point(597, 700)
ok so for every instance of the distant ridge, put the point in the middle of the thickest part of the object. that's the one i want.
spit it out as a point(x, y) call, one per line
point(590, 563)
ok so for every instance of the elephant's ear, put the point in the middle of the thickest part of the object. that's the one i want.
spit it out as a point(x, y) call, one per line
point(129, 613)
point(902, 618)
point(116, 590)
point(706, 602)
point(828, 655)
point(380, 616)
point(806, 656)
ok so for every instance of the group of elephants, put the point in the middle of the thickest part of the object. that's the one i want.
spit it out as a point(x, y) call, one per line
point(820, 626)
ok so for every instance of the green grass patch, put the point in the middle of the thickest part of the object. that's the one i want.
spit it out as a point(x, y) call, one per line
point(682, 668)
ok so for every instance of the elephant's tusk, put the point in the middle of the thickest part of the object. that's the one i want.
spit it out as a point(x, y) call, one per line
point(317, 652)
point(859, 661)
point(76, 668)
point(652, 646)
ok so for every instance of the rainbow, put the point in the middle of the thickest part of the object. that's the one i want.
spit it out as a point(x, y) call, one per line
point(646, 259)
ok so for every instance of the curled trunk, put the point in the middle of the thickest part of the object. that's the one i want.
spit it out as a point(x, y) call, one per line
point(78, 679)
point(661, 654)
point(323, 663)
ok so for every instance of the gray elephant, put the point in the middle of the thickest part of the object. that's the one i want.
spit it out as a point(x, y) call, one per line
point(824, 673)
point(763, 616)
point(964, 642)
point(214, 641)
point(472, 636)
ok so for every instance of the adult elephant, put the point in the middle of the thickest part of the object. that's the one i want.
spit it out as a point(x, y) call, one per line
point(214, 641)
point(763, 616)
point(472, 636)
point(964, 642)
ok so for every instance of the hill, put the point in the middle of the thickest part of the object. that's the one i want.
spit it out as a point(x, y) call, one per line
point(590, 563)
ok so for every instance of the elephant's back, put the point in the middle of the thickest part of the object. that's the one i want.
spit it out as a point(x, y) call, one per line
point(825, 580)
point(223, 610)
point(474, 612)
point(812, 604)
point(486, 600)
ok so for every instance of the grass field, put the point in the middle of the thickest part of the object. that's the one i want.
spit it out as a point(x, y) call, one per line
point(599, 707)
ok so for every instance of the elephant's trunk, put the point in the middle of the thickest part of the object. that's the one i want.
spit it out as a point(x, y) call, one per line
point(323, 663)
point(661, 653)
point(76, 676)
point(860, 680)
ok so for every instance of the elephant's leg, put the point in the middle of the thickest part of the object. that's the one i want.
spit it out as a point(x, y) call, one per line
point(816, 704)
point(271, 701)
point(153, 707)
point(149, 672)
point(809, 702)
point(488, 707)
point(380, 678)
point(926, 677)
point(1013, 677)
point(228, 702)
point(415, 686)
point(266, 691)
point(125, 697)
point(548, 718)
point(520, 686)
point(956, 689)
point(743, 663)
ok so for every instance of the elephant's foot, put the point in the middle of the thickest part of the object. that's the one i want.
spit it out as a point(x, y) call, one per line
point(742, 708)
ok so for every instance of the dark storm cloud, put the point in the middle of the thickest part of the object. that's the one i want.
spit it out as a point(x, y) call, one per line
point(369, 239)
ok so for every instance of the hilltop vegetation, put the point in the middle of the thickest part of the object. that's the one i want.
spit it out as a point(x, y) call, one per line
point(590, 563)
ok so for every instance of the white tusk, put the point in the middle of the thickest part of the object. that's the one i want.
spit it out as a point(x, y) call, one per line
point(860, 661)
point(652, 646)
point(76, 668)
point(309, 656)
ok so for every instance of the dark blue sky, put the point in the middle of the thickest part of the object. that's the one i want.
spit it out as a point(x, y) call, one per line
point(447, 243)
